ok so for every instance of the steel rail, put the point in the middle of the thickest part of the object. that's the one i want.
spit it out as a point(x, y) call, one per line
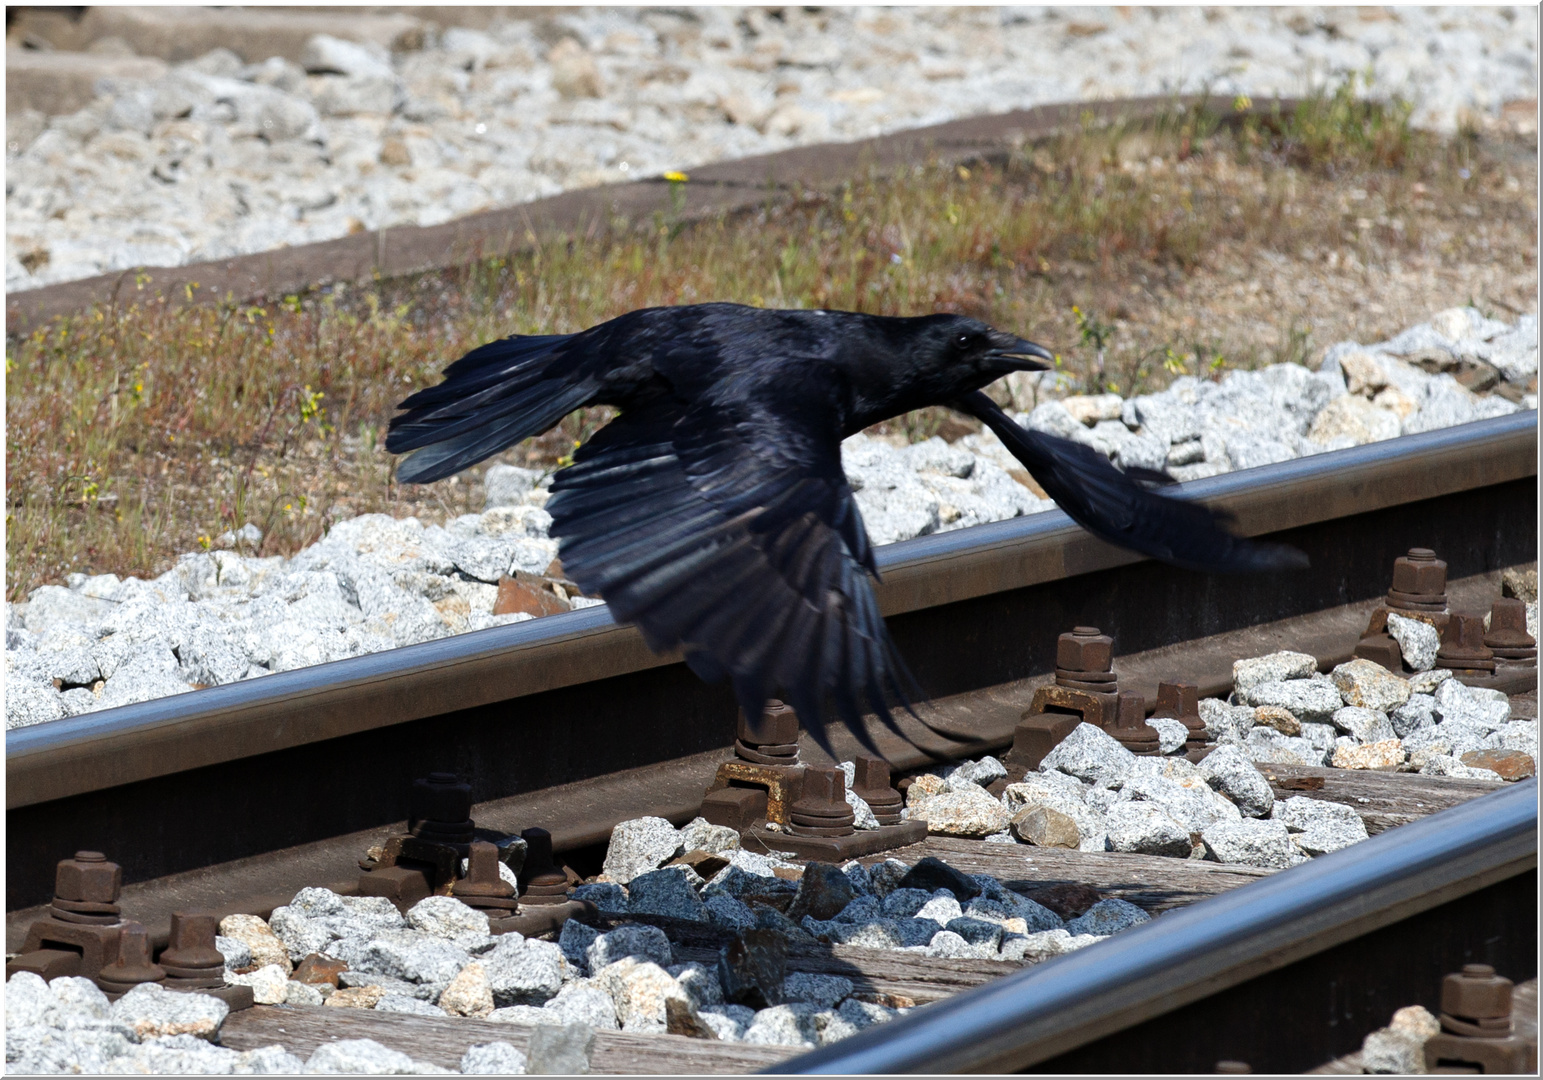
point(1201, 950)
point(229, 723)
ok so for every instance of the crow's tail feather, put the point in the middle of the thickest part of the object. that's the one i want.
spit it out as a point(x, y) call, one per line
point(490, 399)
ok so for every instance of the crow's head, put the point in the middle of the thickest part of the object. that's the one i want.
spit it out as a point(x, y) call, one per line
point(969, 353)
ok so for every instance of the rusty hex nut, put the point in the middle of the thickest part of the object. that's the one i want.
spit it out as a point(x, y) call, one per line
point(1085, 649)
point(88, 878)
point(1476, 993)
point(776, 726)
point(1420, 572)
point(440, 796)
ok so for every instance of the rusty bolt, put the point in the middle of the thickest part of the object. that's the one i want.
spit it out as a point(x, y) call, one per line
point(133, 964)
point(1476, 993)
point(1130, 712)
point(1178, 700)
point(88, 878)
point(192, 943)
point(1508, 626)
point(440, 796)
point(1085, 649)
point(542, 881)
point(822, 804)
point(871, 783)
point(1420, 572)
point(482, 877)
point(1463, 639)
point(776, 726)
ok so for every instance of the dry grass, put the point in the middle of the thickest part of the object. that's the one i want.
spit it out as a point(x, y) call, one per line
point(143, 432)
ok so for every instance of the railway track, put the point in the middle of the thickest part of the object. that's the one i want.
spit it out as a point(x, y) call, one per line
point(231, 799)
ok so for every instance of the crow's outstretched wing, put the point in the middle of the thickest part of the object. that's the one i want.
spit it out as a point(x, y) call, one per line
point(737, 539)
point(1114, 507)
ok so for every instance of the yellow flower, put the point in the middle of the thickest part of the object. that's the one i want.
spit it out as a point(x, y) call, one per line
point(1242, 103)
point(676, 177)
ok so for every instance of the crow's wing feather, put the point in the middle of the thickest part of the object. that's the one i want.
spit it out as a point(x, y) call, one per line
point(755, 564)
point(1114, 507)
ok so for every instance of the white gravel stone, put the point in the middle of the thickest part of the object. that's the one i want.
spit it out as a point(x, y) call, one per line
point(405, 1003)
point(493, 1059)
point(448, 918)
point(1416, 713)
point(1309, 700)
point(783, 1025)
point(968, 811)
point(1226, 723)
point(1230, 772)
point(583, 1002)
point(560, 1051)
point(1188, 797)
point(360, 1056)
point(1318, 826)
point(1268, 746)
point(729, 1022)
point(1251, 842)
point(665, 892)
point(1171, 734)
point(701, 835)
point(1045, 945)
point(643, 942)
point(1418, 641)
point(638, 846)
point(1364, 725)
point(523, 972)
point(824, 991)
point(1091, 755)
point(1425, 682)
point(152, 1011)
point(1465, 704)
point(1107, 917)
point(1445, 765)
point(1144, 828)
point(269, 984)
point(942, 907)
point(982, 772)
point(1275, 667)
point(640, 990)
point(1369, 685)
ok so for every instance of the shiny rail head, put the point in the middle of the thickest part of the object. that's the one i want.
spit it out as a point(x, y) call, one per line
point(1197, 951)
point(396, 686)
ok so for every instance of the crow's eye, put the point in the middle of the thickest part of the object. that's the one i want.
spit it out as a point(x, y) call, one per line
point(964, 341)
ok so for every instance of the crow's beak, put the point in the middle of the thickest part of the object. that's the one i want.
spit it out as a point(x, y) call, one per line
point(1016, 354)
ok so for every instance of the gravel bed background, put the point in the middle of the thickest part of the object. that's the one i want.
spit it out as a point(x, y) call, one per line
point(375, 583)
point(217, 158)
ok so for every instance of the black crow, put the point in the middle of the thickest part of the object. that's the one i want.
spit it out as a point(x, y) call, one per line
point(713, 512)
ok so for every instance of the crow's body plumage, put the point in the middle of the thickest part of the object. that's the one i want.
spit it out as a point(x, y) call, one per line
point(713, 511)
